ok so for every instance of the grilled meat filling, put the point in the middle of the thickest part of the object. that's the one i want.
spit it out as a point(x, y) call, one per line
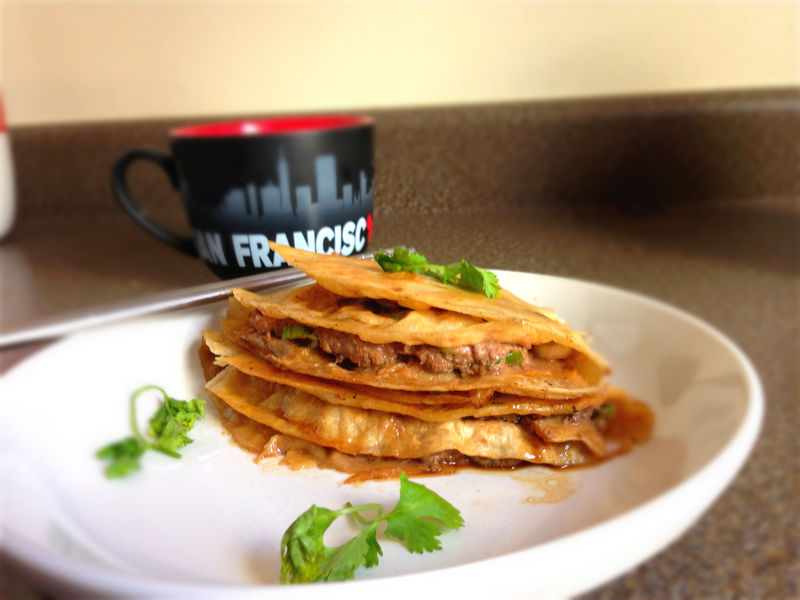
point(470, 360)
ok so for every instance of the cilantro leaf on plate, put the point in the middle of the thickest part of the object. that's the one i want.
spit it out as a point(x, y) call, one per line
point(124, 456)
point(168, 428)
point(417, 519)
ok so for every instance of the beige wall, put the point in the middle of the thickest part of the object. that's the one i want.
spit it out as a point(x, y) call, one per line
point(75, 61)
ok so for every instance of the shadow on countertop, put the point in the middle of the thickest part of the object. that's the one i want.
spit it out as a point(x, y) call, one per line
point(763, 235)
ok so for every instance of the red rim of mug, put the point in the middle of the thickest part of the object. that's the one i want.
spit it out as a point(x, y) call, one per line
point(248, 127)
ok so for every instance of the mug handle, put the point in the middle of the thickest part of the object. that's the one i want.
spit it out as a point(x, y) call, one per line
point(119, 186)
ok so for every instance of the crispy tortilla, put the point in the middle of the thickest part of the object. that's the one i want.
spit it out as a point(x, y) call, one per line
point(315, 306)
point(426, 406)
point(356, 431)
point(364, 278)
point(547, 380)
point(359, 431)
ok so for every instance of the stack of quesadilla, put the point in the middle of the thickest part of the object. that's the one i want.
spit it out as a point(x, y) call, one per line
point(373, 373)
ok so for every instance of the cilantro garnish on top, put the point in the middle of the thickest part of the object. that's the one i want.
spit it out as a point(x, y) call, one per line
point(462, 274)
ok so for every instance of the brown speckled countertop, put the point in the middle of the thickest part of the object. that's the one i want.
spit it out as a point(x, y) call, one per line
point(692, 199)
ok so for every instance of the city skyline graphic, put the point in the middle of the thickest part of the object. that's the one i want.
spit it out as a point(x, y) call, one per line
point(276, 198)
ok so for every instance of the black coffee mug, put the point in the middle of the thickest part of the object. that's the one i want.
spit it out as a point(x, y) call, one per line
point(305, 182)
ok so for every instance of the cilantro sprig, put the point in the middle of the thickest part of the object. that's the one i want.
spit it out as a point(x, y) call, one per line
point(168, 428)
point(417, 520)
point(462, 274)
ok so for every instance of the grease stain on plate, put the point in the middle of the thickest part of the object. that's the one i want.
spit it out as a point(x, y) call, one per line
point(544, 485)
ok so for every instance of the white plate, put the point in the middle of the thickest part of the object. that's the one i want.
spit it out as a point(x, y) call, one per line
point(211, 523)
